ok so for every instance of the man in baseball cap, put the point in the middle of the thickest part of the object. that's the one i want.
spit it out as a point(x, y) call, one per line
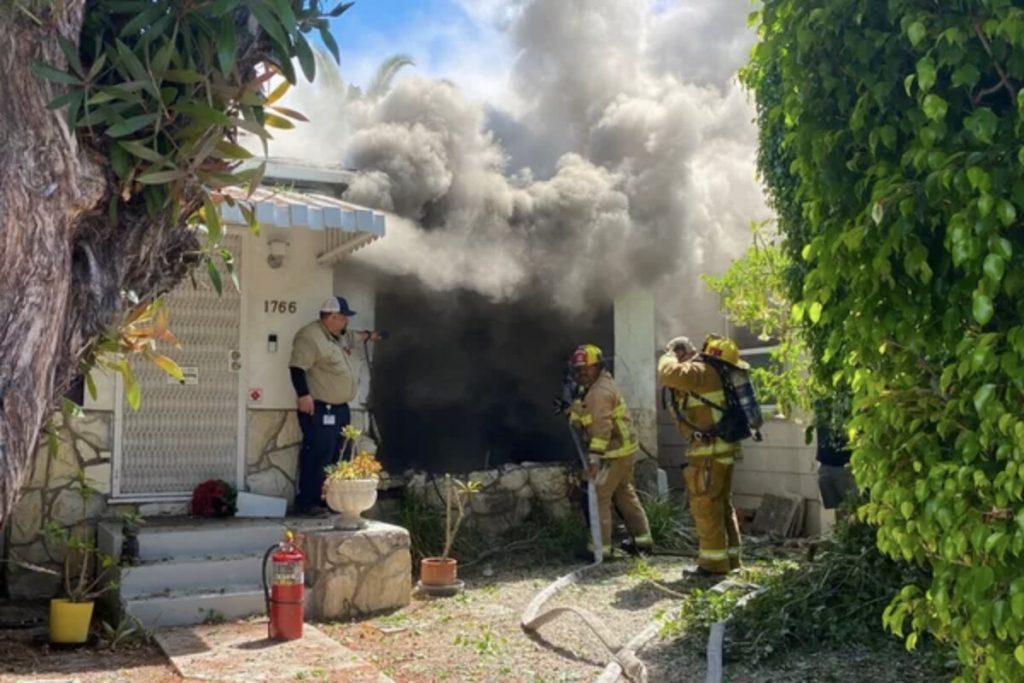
point(325, 374)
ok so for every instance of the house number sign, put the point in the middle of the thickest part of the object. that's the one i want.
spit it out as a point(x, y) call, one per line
point(278, 306)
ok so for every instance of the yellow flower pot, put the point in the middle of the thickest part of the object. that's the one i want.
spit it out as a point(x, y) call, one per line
point(69, 621)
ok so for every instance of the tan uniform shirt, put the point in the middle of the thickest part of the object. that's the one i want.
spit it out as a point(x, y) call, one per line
point(606, 420)
point(332, 369)
point(695, 377)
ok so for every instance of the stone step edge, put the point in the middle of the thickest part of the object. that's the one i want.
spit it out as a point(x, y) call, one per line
point(205, 593)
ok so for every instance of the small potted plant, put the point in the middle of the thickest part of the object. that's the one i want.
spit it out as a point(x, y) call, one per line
point(442, 572)
point(350, 486)
point(84, 574)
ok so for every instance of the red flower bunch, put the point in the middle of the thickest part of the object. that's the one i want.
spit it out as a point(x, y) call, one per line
point(214, 498)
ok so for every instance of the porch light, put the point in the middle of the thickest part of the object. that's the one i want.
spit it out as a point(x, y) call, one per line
point(276, 250)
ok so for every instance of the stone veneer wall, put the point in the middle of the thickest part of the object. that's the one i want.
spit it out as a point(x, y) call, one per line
point(48, 496)
point(272, 458)
point(507, 495)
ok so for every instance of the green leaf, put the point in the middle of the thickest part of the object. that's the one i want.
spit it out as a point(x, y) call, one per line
point(142, 151)
point(982, 124)
point(814, 312)
point(144, 19)
point(222, 7)
point(306, 59)
point(332, 46)
point(916, 32)
point(226, 46)
point(270, 24)
point(229, 150)
point(935, 107)
point(161, 177)
point(186, 76)
point(70, 51)
point(90, 386)
point(966, 75)
point(982, 308)
point(925, 74)
point(340, 9)
point(66, 98)
point(211, 270)
point(877, 212)
point(132, 391)
point(983, 395)
point(49, 73)
point(1018, 654)
point(201, 113)
point(994, 267)
point(211, 216)
point(1007, 212)
point(278, 122)
point(131, 125)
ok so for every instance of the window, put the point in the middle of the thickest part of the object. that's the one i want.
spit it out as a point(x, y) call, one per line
point(756, 352)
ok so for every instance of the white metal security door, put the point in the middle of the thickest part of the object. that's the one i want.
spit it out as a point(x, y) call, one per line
point(187, 432)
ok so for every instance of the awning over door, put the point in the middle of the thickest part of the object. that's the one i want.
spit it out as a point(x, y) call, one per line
point(346, 227)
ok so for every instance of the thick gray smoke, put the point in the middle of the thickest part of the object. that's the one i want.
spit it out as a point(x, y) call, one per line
point(622, 154)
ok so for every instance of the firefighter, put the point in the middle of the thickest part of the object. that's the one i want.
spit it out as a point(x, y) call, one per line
point(612, 445)
point(708, 477)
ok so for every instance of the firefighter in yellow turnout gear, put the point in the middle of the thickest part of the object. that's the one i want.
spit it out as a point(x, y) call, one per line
point(612, 446)
point(711, 459)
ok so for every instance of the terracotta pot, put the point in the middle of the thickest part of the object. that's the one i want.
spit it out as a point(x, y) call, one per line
point(438, 571)
point(350, 498)
point(69, 621)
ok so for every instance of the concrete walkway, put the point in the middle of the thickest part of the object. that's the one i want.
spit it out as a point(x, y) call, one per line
point(240, 652)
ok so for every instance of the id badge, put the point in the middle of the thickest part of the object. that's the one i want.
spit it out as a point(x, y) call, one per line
point(330, 419)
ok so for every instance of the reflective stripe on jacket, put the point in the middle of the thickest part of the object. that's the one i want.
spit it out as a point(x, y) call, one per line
point(689, 379)
point(605, 419)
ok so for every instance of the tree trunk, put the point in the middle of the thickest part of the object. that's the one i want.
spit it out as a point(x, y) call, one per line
point(64, 265)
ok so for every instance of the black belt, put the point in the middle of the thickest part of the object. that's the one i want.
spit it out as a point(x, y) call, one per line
point(329, 406)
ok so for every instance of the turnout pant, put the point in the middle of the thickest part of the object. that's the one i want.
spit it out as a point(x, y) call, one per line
point(615, 483)
point(709, 487)
point(321, 446)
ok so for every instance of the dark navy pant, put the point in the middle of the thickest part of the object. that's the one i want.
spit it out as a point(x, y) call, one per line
point(321, 446)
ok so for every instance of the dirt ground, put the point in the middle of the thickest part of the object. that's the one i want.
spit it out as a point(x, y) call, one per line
point(475, 637)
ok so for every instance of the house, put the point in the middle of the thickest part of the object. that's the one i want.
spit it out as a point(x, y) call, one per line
point(464, 385)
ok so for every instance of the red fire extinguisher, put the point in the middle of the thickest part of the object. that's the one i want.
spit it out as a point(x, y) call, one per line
point(286, 593)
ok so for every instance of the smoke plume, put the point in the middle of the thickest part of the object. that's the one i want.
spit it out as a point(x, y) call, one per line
point(622, 153)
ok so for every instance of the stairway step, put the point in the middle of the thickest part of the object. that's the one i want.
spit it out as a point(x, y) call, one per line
point(181, 608)
point(191, 574)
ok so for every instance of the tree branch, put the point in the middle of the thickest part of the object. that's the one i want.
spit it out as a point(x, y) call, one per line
point(1004, 81)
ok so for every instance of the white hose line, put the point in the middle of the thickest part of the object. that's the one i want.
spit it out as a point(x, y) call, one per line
point(595, 522)
point(533, 619)
point(716, 638)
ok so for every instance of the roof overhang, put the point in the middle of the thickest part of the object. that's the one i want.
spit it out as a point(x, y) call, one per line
point(346, 227)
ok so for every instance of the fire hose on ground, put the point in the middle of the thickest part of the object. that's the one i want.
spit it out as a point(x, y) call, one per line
point(533, 618)
point(624, 663)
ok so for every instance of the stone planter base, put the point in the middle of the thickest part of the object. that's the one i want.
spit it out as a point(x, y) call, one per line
point(357, 573)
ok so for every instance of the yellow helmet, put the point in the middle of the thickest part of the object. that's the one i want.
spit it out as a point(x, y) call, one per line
point(586, 354)
point(724, 348)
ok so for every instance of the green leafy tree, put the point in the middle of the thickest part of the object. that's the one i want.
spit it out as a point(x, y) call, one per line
point(755, 294)
point(891, 145)
point(119, 124)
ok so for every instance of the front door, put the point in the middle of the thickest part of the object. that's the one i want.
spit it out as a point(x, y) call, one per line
point(187, 432)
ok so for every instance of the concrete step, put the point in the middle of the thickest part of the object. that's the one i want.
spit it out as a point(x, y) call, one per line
point(190, 574)
point(181, 608)
point(207, 540)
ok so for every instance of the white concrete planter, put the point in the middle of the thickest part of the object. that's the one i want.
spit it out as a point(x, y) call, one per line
point(350, 498)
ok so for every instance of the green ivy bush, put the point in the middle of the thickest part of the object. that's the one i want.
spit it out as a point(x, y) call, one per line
point(891, 145)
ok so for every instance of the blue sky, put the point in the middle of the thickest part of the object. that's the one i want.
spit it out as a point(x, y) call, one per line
point(447, 38)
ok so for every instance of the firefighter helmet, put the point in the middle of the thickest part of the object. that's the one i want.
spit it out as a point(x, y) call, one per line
point(724, 348)
point(586, 354)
